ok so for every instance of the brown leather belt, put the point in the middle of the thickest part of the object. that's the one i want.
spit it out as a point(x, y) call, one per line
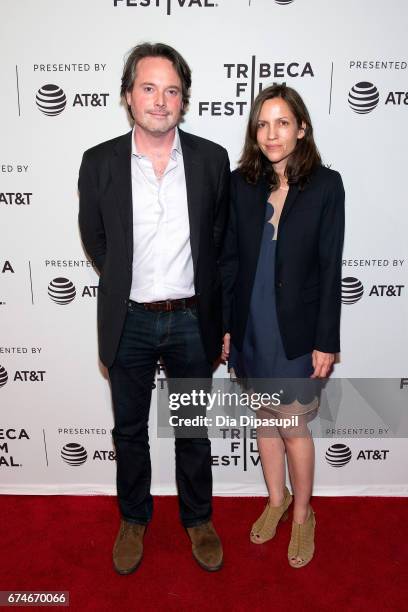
point(167, 305)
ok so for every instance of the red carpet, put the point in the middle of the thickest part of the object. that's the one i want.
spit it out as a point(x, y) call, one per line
point(64, 543)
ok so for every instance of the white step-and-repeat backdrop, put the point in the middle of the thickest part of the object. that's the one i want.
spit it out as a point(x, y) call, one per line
point(348, 60)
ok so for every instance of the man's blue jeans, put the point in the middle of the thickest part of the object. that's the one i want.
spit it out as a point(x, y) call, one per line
point(174, 337)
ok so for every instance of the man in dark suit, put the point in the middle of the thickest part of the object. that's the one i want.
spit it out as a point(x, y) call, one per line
point(153, 206)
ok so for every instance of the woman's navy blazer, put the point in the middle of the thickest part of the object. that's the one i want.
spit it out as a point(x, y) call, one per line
point(308, 261)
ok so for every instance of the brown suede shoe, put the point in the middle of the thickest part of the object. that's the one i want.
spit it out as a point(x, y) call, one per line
point(128, 547)
point(206, 546)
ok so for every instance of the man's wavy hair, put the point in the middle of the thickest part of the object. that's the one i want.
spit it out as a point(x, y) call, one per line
point(156, 50)
point(304, 159)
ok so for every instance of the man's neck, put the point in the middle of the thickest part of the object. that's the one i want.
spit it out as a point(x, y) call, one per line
point(153, 145)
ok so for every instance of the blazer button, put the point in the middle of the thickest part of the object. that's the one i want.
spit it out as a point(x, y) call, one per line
point(279, 284)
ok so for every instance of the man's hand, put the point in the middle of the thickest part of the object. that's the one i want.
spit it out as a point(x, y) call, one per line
point(226, 348)
point(322, 364)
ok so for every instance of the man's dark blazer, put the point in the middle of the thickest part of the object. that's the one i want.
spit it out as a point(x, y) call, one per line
point(307, 267)
point(106, 225)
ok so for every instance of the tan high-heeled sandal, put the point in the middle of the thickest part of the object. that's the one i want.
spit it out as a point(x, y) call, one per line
point(264, 528)
point(302, 541)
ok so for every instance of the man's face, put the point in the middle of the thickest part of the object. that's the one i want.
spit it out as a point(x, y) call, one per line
point(156, 97)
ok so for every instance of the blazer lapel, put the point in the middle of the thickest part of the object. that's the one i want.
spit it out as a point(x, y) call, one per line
point(193, 170)
point(122, 179)
point(258, 212)
point(289, 202)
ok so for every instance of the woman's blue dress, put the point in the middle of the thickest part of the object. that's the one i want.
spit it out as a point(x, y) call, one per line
point(263, 355)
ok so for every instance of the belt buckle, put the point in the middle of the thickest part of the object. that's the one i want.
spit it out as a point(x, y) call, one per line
point(168, 305)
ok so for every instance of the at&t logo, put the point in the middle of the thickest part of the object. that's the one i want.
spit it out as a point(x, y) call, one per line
point(386, 290)
point(351, 290)
point(277, 2)
point(373, 455)
point(22, 376)
point(3, 376)
point(20, 198)
point(363, 97)
point(61, 290)
point(74, 454)
point(104, 455)
point(51, 99)
point(338, 455)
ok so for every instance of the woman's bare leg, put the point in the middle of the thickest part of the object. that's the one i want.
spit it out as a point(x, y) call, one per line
point(272, 452)
point(301, 459)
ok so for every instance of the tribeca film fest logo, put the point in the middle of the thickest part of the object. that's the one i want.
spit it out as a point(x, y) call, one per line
point(248, 78)
point(363, 97)
point(167, 4)
point(74, 454)
point(351, 290)
point(61, 290)
point(3, 376)
point(51, 100)
point(338, 455)
point(7, 437)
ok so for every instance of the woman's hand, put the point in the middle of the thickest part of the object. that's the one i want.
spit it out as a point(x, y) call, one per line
point(226, 348)
point(322, 364)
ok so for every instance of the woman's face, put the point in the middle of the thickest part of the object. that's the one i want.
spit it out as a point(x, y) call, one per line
point(278, 131)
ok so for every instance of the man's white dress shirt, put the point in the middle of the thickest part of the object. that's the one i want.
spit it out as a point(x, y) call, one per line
point(162, 261)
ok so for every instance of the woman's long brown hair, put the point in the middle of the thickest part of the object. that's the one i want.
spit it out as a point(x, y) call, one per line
point(304, 159)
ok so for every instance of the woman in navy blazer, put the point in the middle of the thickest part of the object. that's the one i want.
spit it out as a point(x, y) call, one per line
point(281, 268)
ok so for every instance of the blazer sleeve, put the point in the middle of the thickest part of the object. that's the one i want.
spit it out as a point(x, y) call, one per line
point(222, 203)
point(331, 236)
point(229, 261)
point(90, 218)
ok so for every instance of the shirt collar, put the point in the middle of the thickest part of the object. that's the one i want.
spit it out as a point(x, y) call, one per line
point(176, 148)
